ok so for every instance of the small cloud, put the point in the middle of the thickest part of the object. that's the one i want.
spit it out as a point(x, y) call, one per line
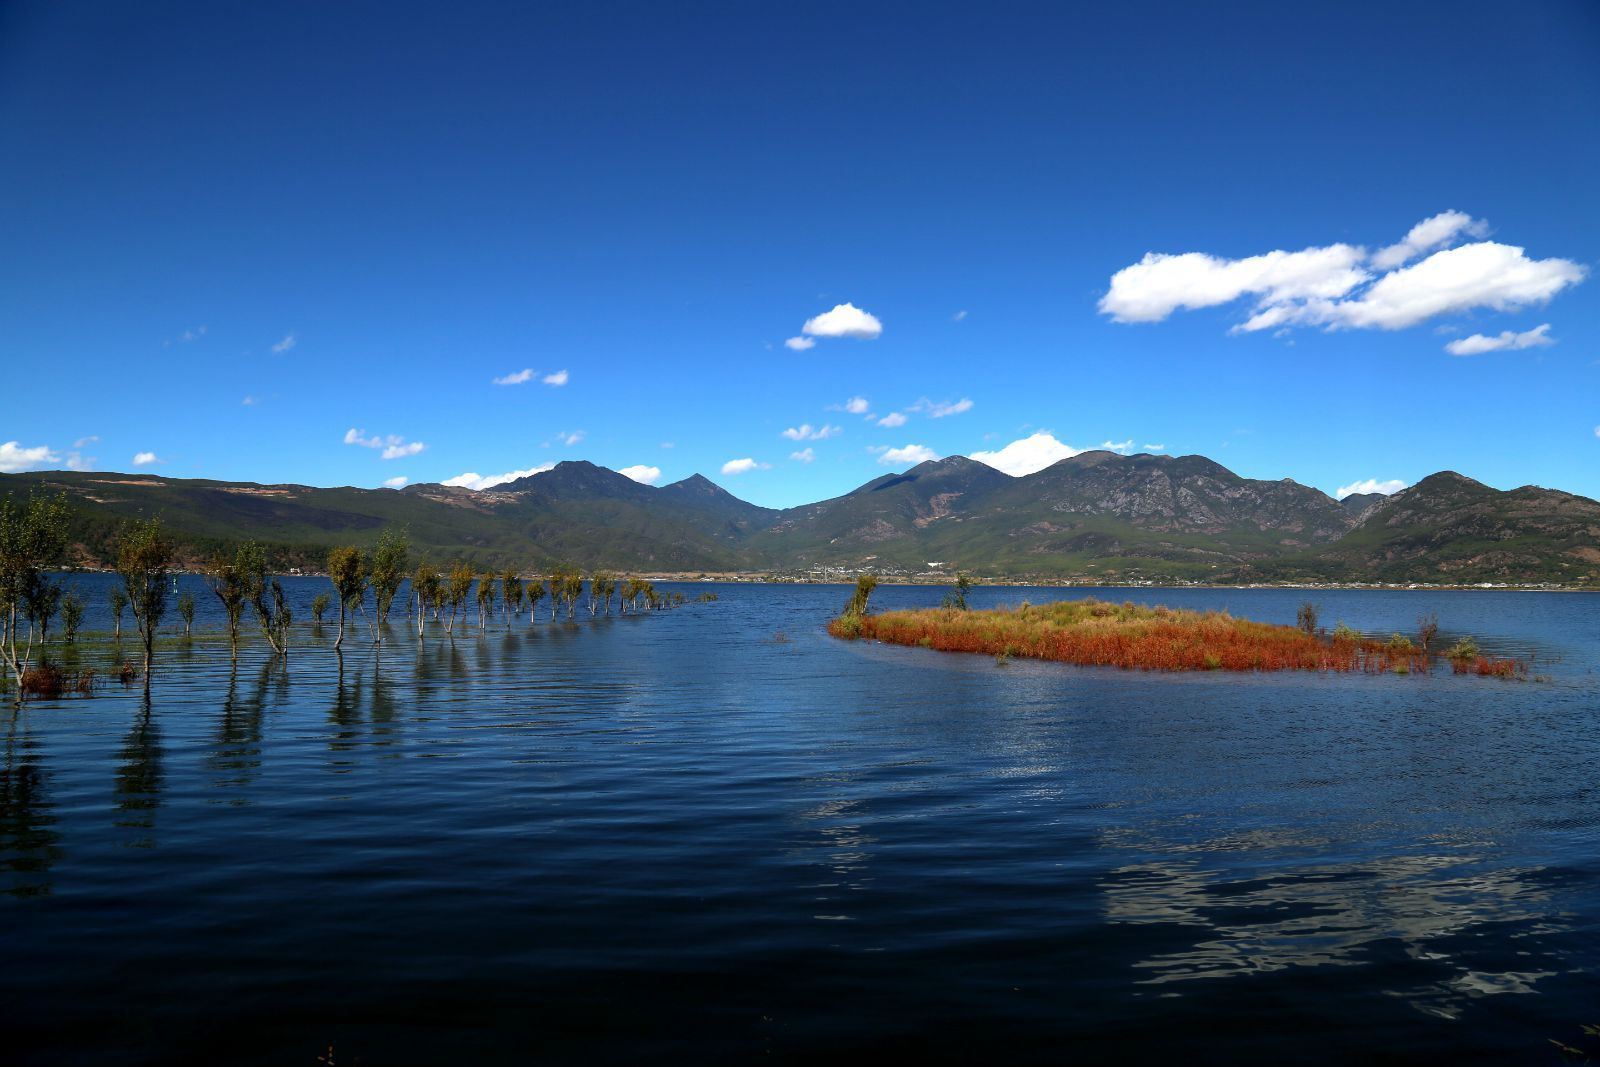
point(144, 459)
point(555, 378)
point(1506, 339)
point(669, 444)
point(1118, 446)
point(284, 345)
point(639, 472)
point(1371, 485)
point(515, 377)
point(396, 482)
point(85, 442)
point(845, 320)
point(76, 461)
point(14, 457)
point(394, 446)
point(249, 401)
point(192, 335)
point(805, 455)
point(799, 344)
point(891, 420)
point(804, 432)
point(475, 481)
point(744, 466)
point(909, 455)
point(958, 316)
point(943, 410)
point(1155, 448)
point(1427, 235)
point(856, 405)
point(570, 439)
point(1029, 455)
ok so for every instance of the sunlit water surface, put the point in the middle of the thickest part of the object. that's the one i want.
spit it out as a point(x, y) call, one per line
point(685, 836)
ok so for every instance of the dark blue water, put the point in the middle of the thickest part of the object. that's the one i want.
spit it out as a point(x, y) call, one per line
point(679, 836)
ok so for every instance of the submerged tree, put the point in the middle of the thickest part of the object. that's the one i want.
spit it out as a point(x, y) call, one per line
point(461, 576)
point(1306, 617)
point(510, 593)
point(119, 604)
point(319, 607)
point(186, 610)
point(347, 570)
point(43, 600)
point(485, 600)
point(225, 580)
point(425, 587)
point(857, 606)
point(265, 595)
point(71, 616)
point(535, 593)
point(33, 536)
point(144, 556)
point(389, 562)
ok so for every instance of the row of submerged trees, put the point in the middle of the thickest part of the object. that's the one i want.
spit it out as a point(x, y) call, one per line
point(34, 540)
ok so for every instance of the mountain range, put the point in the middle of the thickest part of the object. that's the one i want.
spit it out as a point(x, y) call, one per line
point(1098, 516)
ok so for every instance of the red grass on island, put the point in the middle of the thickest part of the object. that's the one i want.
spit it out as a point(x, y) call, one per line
point(1134, 637)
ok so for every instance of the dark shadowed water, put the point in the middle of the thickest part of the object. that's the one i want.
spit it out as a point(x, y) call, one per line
point(678, 836)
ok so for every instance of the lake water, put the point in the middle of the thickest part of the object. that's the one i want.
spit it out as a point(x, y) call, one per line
point(679, 836)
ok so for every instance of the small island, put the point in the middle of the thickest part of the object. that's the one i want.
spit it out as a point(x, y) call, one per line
point(1092, 632)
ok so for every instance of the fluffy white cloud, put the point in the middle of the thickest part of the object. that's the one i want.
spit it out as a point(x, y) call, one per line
point(1155, 448)
point(144, 459)
point(1371, 485)
point(1118, 446)
point(85, 442)
point(641, 473)
point(515, 378)
point(284, 345)
point(799, 344)
point(395, 482)
point(910, 455)
point(1160, 284)
point(805, 455)
point(805, 432)
point(570, 439)
point(744, 466)
point(475, 481)
point(891, 420)
point(856, 405)
point(1478, 343)
point(14, 457)
point(939, 411)
point(1031, 454)
point(1427, 235)
point(1332, 287)
point(845, 320)
point(559, 377)
point(394, 446)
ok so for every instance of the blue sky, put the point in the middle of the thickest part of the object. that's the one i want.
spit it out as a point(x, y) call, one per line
point(238, 237)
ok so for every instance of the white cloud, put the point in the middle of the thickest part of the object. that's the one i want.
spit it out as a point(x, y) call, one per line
point(284, 345)
point(144, 459)
point(78, 462)
point(559, 377)
point(891, 420)
point(958, 316)
point(192, 335)
point(856, 405)
point(514, 378)
point(910, 455)
point(939, 411)
point(394, 446)
point(805, 455)
point(14, 457)
point(845, 320)
point(1030, 454)
point(570, 439)
point(805, 432)
point(249, 401)
point(1155, 448)
point(1118, 446)
point(641, 473)
point(669, 444)
point(1332, 287)
point(85, 442)
point(799, 344)
point(1427, 235)
point(395, 482)
point(744, 466)
point(475, 481)
point(1478, 343)
point(1371, 485)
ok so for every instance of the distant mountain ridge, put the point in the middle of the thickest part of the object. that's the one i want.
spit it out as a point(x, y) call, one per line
point(1096, 516)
